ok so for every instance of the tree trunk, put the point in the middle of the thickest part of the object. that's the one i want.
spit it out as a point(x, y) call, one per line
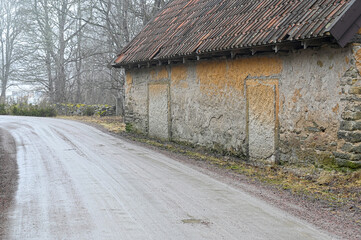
point(60, 96)
point(3, 93)
point(79, 56)
point(49, 51)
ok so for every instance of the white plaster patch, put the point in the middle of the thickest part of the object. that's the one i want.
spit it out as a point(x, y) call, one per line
point(261, 120)
point(158, 111)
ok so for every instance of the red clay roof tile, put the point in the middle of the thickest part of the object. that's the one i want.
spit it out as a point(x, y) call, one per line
point(186, 27)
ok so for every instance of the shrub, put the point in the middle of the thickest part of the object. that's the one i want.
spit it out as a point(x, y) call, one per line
point(31, 110)
point(89, 111)
point(15, 110)
point(48, 111)
point(3, 109)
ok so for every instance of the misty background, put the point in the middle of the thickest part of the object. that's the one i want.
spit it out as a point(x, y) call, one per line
point(61, 49)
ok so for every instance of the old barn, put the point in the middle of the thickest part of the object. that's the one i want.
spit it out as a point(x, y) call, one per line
point(270, 80)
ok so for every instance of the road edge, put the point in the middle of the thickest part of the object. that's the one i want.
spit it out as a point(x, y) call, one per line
point(9, 176)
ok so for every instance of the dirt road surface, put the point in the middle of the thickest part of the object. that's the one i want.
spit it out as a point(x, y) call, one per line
point(76, 182)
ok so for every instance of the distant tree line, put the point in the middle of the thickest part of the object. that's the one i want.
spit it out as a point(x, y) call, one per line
point(64, 46)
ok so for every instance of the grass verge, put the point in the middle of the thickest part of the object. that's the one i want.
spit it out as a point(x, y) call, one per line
point(335, 187)
point(111, 123)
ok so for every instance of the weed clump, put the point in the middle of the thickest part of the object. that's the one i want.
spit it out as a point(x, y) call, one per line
point(129, 127)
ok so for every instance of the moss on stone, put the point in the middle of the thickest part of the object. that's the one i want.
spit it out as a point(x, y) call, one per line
point(348, 163)
point(327, 160)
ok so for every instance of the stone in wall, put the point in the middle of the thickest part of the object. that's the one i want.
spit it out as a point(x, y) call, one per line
point(84, 109)
point(310, 103)
point(348, 153)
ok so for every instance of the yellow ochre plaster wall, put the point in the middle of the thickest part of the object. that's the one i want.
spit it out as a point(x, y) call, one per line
point(160, 73)
point(129, 82)
point(358, 59)
point(217, 75)
point(208, 99)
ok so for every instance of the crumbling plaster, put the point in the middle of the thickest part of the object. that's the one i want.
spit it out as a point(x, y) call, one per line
point(208, 99)
point(310, 100)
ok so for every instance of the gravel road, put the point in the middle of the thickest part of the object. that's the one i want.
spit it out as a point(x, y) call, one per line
point(76, 182)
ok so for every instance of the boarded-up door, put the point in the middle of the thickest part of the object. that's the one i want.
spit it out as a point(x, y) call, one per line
point(158, 110)
point(262, 116)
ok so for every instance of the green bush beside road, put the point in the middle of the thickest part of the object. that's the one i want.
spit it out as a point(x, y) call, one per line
point(28, 110)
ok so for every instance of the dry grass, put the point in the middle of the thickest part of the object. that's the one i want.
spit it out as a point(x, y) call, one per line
point(111, 123)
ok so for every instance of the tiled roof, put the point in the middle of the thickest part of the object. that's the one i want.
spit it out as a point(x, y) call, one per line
point(196, 27)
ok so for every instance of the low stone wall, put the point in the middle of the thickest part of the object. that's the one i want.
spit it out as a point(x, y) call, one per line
point(85, 110)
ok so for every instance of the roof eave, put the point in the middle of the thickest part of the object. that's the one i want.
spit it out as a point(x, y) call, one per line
point(295, 44)
point(347, 25)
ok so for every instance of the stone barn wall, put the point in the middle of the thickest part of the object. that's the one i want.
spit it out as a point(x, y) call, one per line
point(274, 107)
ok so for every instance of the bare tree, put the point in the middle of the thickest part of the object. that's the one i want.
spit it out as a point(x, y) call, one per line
point(79, 56)
point(10, 28)
point(68, 45)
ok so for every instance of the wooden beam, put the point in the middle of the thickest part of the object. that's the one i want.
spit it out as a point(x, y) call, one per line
point(233, 54)
point(304, 44)
point(276, 48)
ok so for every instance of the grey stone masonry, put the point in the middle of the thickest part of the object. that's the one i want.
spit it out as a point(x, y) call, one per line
point(350, 125)
point(348, 153)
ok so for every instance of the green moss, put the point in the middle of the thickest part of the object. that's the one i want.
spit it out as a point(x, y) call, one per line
point(102, 113)
point(348, 164)
point(129, 127)
point(353, 165)
point(80, 105)
point(326, 161)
